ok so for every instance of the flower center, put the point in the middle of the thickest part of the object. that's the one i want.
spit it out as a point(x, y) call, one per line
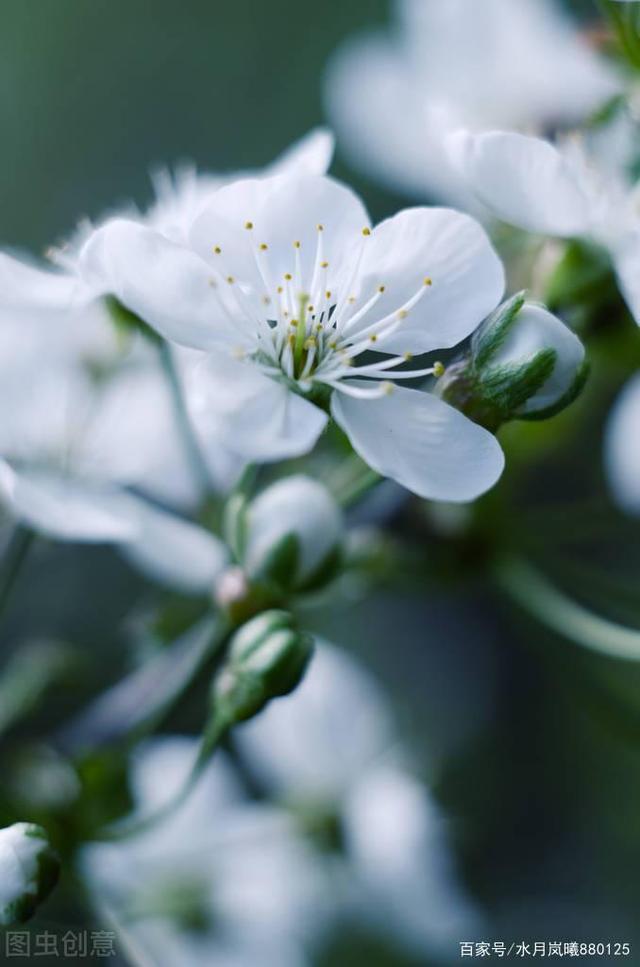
point(308, 334)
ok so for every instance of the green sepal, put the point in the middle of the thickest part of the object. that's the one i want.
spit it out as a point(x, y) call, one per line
point(324, 573)
point(508, 387)
point(234, 524)
point(494, 330)
point(280, 565)
point(567, 399)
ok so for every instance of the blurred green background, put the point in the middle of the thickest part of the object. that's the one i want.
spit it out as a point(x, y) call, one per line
point(532, 744)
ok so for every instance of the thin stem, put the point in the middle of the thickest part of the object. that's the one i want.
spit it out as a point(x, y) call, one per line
point(536, 595)
point(210, 741)
point(359, 487)
point(19, 546)
point(198, 463)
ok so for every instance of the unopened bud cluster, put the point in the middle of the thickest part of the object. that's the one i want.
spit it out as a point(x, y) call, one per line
point(523, 364)
point(267, 658)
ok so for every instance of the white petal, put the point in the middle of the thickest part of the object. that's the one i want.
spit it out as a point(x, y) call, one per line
point(423, 443)
point(626, 259)
point(173, 551)
point(622, 449)
point(165, 284)
point(311, 155)
point(233, 405)
point(450, 249)
point(28, 287)
point(524, 181)
point(282, 211)
point(64, 508)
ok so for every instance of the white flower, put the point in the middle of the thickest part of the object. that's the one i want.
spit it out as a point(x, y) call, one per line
point(580, 187)
point(286, 287)
point(331, 748)
point(622, 453)
point(219, 883)
point(87, 425)
point(458, 63)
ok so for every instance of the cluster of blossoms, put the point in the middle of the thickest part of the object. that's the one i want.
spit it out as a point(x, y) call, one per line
point(527, 123)
point(232, 325)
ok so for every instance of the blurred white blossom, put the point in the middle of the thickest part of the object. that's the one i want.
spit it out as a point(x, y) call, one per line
point(92, 445)
point(285, 285)
point(220, 883)
point(393, 97)
point(580, 186)
point(622, 452)
point(331, 749)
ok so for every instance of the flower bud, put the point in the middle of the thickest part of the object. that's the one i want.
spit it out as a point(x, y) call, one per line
point(29, 869)
point(267, 658)
point(290, 535)
point(523, 363)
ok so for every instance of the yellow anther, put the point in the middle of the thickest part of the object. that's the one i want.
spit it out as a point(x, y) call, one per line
point(373, 338)
point(248, 226)
point(264, 247)
point(333, 344)
point(366, 231)
point(388, 388)
point(280, 289)
point(310, 343)
point(403, 314)
point(351, 299)
point(408, 357)
point(294, 323)
point(310, 309)
point(320, 228)
point(328, 294)
point(324, 265)
point(380, 288)
point(439, 369)
point(217, 250)
point(230, 279)
point(319, 327)
point(288, 277)
point(428, 281)
point(296, 244)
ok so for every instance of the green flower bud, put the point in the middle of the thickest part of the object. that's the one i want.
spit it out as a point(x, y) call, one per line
point(267, 658)
point(29, 870)
point(523, 363)
point(290, 536)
